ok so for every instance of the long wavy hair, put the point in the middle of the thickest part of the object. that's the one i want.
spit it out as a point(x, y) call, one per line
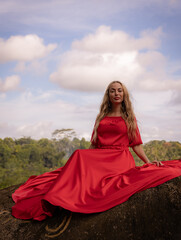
point(126, 111)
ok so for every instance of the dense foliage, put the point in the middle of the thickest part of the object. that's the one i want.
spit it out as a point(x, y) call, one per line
point(160, 150)
point(21, 158)
point(24, 157)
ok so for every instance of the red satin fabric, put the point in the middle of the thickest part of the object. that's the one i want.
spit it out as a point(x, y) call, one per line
point(92, 180)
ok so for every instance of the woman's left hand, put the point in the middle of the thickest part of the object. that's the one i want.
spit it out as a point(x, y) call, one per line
point(158, 163)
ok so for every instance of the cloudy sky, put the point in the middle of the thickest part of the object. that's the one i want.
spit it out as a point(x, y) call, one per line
point(57, 57)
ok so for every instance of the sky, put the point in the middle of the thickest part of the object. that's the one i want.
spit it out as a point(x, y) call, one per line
point(58, 56)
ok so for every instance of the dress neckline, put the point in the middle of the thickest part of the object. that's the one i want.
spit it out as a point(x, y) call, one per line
point(113, 116)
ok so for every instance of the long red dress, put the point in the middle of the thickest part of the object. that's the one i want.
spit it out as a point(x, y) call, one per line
point(92, 180)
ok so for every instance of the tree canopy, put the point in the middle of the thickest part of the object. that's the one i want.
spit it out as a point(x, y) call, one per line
point(21, 158)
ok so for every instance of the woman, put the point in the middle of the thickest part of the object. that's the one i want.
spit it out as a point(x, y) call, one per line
point(116, 103)
point(99, 178)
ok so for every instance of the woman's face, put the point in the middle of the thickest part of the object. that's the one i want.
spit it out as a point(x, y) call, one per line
point(116, 93)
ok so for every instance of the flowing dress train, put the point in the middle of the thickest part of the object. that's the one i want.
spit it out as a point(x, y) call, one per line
point(92, 180)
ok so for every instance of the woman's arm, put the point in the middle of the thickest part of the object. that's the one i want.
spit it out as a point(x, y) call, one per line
point(141, 154)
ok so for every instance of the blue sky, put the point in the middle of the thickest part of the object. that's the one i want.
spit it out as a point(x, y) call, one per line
point(57, 57)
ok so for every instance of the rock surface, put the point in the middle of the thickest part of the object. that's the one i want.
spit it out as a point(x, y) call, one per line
point(153, 214)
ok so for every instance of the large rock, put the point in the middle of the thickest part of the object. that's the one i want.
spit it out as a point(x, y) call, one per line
point(153, 214)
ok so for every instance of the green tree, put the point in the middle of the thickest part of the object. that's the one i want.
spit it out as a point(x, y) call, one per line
point(84, 144)
point(63, 133)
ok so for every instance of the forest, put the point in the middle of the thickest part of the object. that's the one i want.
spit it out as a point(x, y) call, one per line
point(21, 158)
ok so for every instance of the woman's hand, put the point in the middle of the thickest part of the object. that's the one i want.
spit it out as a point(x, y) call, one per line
point(158, 163)
point(141, 154)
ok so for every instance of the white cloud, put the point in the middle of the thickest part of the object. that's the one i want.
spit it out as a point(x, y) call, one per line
point(10, 83)
point(151, 84)
point(92, 72)
point(78, 15)
point(160, 128)
point(108, 55)
point(7, 130)
point(38, 115)
point(157, 118)
point(38, 67)
point(73, 6)
point(38, 130)
point(24, 48)
point(107, 41)
point(175, 100)
point(2, 95)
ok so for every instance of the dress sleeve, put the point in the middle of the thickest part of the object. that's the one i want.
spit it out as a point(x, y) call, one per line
point(137, 140)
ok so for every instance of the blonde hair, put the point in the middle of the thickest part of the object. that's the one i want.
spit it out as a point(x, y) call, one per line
point(126, 111)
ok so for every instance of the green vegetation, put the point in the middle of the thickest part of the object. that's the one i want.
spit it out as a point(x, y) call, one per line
point(21, 158)
point(160, 150)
